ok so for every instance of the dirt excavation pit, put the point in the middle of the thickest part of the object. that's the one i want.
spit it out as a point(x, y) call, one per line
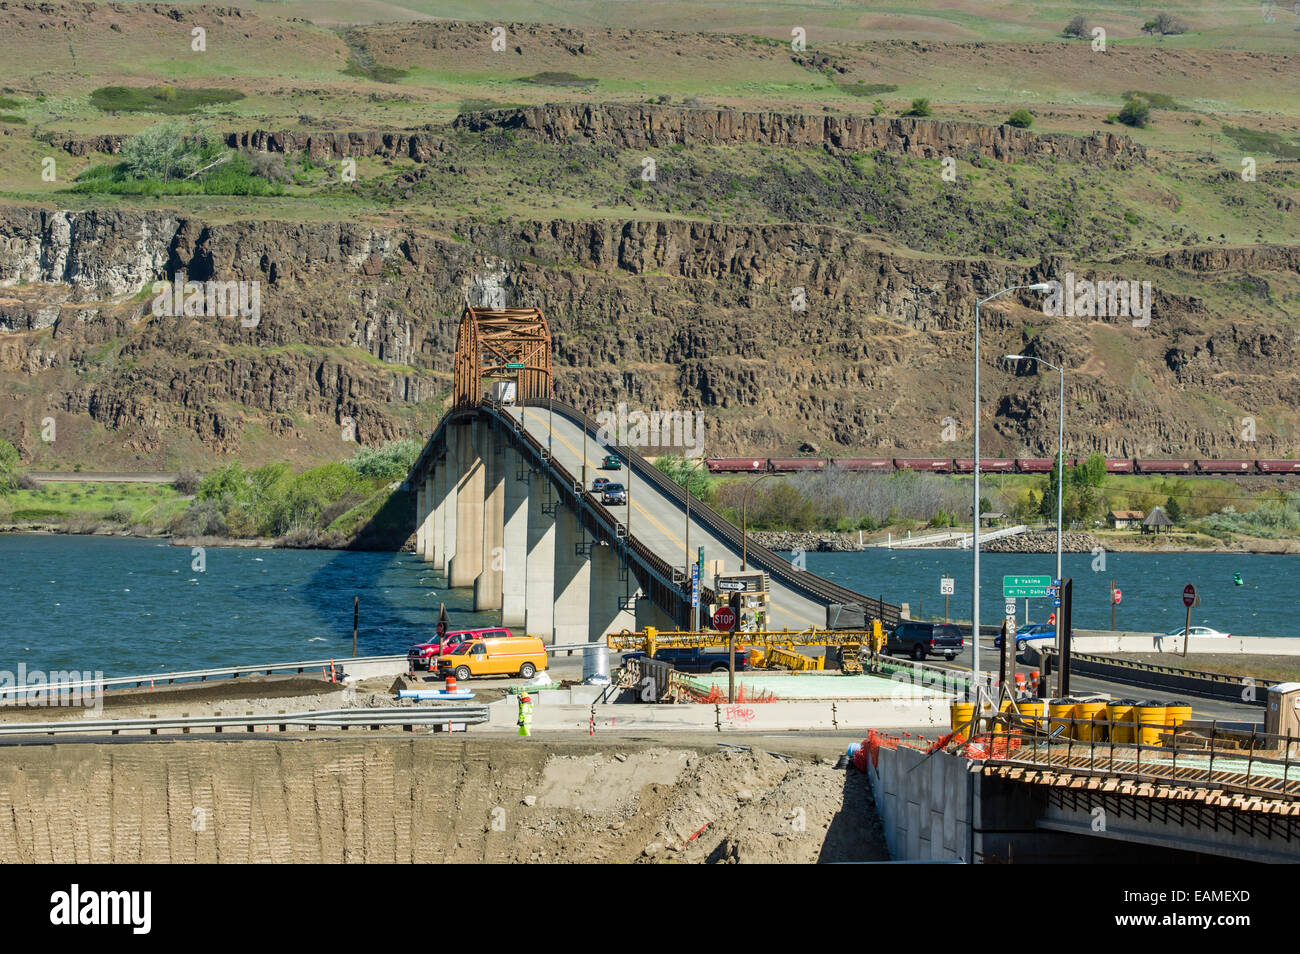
point(689, 806)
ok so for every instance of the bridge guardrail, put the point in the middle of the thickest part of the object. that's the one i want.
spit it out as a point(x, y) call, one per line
point(405, 716)
point(1207, 685)
point(799, 580)
point(1263, 768)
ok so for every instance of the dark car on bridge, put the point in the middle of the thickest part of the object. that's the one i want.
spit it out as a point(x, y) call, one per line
point(697, 658)
point(919, 640)
point(611, 462)
point(613, 494)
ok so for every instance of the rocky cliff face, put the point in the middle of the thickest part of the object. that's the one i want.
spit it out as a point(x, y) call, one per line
point(645, 126)
point(359, 322)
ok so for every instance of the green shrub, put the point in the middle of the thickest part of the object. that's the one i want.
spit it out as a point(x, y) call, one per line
point(1021, 119)
point(168, 100)
point(389, 462)
point(1135, 113)
point(920, 107)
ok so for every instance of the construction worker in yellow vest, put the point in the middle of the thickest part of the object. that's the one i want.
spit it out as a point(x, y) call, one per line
point(525, 714)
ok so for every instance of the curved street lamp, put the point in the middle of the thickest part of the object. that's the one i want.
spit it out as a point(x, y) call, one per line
point(744, 521)
point(1060, 447)
point(975, 511)
point(695, 610)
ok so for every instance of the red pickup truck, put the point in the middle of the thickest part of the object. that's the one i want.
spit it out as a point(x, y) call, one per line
point(425, 655)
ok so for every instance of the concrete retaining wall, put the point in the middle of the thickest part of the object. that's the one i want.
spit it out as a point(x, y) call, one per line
point(745, 717)
point(1103, 641)
point(925, 804)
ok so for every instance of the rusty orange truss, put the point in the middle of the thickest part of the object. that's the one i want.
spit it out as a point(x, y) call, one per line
point(489, 340)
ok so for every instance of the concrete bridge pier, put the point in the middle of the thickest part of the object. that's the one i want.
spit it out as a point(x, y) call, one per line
point(488, 585)
point(437, 491)
point(649, 614)
point(466, 562)
point(426, 547)
point(514, 542)
point(448, 508)
point(612, 603)
point(572, 579)
point(421, 513)
point(539, 562)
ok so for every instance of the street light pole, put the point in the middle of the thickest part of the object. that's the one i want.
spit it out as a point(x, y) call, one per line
point(1060, 447)
point(975, 510)
point(744, 522)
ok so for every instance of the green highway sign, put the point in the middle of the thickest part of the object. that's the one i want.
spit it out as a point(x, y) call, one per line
point(515, 366)
point(1027, 587)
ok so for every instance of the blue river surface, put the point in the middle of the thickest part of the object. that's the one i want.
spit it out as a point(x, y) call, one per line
point(128, 607)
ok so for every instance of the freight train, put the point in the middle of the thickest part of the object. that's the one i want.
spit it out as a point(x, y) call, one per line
point(992, 465)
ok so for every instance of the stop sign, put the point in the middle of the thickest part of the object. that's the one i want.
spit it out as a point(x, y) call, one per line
point(1189, 595)
point(724, 619)
point(1118, 594)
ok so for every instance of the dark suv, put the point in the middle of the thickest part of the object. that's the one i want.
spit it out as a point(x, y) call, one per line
point(698, 658)
point(918, 640)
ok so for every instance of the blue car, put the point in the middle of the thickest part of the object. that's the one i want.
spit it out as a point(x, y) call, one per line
point(1031, 633)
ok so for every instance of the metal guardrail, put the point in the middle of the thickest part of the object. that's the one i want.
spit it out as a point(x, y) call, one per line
point(405, 716)
point(1262, 768)
point(1210, 685)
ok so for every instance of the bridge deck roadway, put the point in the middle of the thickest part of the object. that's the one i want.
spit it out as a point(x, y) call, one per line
point(658, 521)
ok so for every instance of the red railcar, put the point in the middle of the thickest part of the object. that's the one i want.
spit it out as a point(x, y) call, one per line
point(1164, 466)
point(1119, 465)
point(1278, 466)
point(988, 465)
point(1225, 466)
point(1035, 465)
point(736, 465)
point(863, 463)
point(938, 465)
point(796, 464)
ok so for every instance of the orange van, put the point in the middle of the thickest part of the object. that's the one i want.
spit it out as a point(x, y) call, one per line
point(495, 656)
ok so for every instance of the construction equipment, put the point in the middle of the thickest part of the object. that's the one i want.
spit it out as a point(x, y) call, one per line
point(774, 648)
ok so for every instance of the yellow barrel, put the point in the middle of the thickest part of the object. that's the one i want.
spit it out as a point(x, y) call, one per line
point(962, 714)
point(1089, 729)
point(1032, 712)
point(1058, 709)
point(1149, 719)
point(1120, 714)
point(1176, 713)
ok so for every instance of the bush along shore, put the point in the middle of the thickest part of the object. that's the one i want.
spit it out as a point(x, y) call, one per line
point(353, 504)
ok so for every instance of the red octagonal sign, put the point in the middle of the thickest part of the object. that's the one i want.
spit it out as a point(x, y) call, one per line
point(724, 619)
point(1189, 595)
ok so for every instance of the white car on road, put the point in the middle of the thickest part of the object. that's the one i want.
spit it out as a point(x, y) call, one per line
point(1199, 631)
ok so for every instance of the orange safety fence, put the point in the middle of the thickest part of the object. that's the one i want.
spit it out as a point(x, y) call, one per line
point(982, 746)
point(718, 696)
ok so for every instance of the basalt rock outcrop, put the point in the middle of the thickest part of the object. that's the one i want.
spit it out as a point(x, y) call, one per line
point(645, 126)
point(359, 321)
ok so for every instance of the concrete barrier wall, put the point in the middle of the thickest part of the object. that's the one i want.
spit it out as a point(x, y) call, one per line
point(554, 715)
point(1103, 641)
point(925, 804)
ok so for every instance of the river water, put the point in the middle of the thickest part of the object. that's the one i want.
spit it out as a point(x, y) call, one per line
point(130, 607)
